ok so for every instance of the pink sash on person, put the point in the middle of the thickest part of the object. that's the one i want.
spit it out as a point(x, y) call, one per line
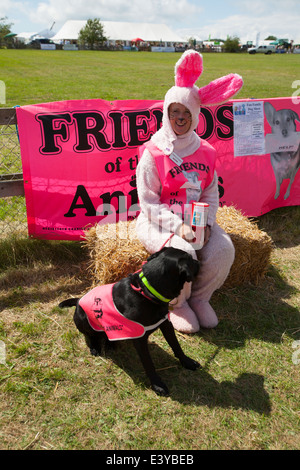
point(183, 183)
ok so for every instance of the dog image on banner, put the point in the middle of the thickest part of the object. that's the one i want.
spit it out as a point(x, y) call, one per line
point(283, 144)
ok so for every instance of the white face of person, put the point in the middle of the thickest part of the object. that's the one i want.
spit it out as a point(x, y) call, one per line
point(180, 118)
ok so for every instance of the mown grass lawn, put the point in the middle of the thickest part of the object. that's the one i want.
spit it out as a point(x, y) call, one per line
point(54, 395)
point(33, 76)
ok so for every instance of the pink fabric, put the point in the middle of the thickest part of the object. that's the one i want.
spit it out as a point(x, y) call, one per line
point(188, 69)
point(103, 316)
point(220, 90)
point(192, 177)
point(51, 180)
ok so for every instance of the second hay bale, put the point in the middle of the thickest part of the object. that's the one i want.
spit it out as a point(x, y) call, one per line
point(253, 247)
point(115, 251)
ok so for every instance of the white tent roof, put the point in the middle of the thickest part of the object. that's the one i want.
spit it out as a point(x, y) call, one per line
point(121, 31)
point(26, 35)
point(46, 33)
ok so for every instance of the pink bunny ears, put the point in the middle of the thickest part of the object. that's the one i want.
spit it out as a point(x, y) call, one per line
point(189, 68)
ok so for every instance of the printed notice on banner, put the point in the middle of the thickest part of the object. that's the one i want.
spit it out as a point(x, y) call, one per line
point(248, 127)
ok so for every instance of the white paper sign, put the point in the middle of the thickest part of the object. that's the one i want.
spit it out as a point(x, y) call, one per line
point(248, 128)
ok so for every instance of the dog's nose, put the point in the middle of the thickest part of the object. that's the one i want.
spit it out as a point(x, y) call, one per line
point(284, 132)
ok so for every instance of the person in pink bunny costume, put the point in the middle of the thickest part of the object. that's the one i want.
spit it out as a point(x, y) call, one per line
point(177, 167)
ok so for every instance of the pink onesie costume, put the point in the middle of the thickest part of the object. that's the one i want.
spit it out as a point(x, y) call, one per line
point(173, 171)
point(103, 315)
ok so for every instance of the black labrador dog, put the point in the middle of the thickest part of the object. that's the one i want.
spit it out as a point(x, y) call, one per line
point(142, 299)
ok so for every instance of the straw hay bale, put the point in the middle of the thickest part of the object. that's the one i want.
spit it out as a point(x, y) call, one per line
point(253, 247)
point(115, 251)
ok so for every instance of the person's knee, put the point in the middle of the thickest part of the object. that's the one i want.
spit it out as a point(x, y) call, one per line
point(218, 255)
point(227, 251)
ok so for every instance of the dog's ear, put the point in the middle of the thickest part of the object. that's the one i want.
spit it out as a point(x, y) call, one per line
point(154, 255)
point(269, 112)
point(294, 115)
point(185, 272)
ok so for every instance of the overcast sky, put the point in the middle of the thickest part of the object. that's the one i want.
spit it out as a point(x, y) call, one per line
point(218, 18)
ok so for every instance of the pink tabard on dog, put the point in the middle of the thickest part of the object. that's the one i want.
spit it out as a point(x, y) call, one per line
point(102, 315)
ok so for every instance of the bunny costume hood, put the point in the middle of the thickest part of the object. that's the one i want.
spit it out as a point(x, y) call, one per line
point(187, 71)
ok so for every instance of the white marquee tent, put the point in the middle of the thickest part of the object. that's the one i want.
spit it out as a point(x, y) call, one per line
point(27, 37)
point(117, 31)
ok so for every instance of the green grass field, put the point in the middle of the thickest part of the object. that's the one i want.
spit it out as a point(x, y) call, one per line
point(54, 395)
point(33, 76)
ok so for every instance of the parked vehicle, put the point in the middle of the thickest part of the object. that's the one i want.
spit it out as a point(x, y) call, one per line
point(262, 49)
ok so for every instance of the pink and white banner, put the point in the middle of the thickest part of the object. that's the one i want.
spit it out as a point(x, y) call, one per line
point(80, 157)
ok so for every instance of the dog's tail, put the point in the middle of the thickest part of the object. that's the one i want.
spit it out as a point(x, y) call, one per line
point(68, 303)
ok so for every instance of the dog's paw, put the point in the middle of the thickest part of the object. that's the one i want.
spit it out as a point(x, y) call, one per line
point(189, 363)
point(160, 388)
point(94, 352)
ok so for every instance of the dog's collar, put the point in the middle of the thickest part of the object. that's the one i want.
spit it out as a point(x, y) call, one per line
point(152, 290)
